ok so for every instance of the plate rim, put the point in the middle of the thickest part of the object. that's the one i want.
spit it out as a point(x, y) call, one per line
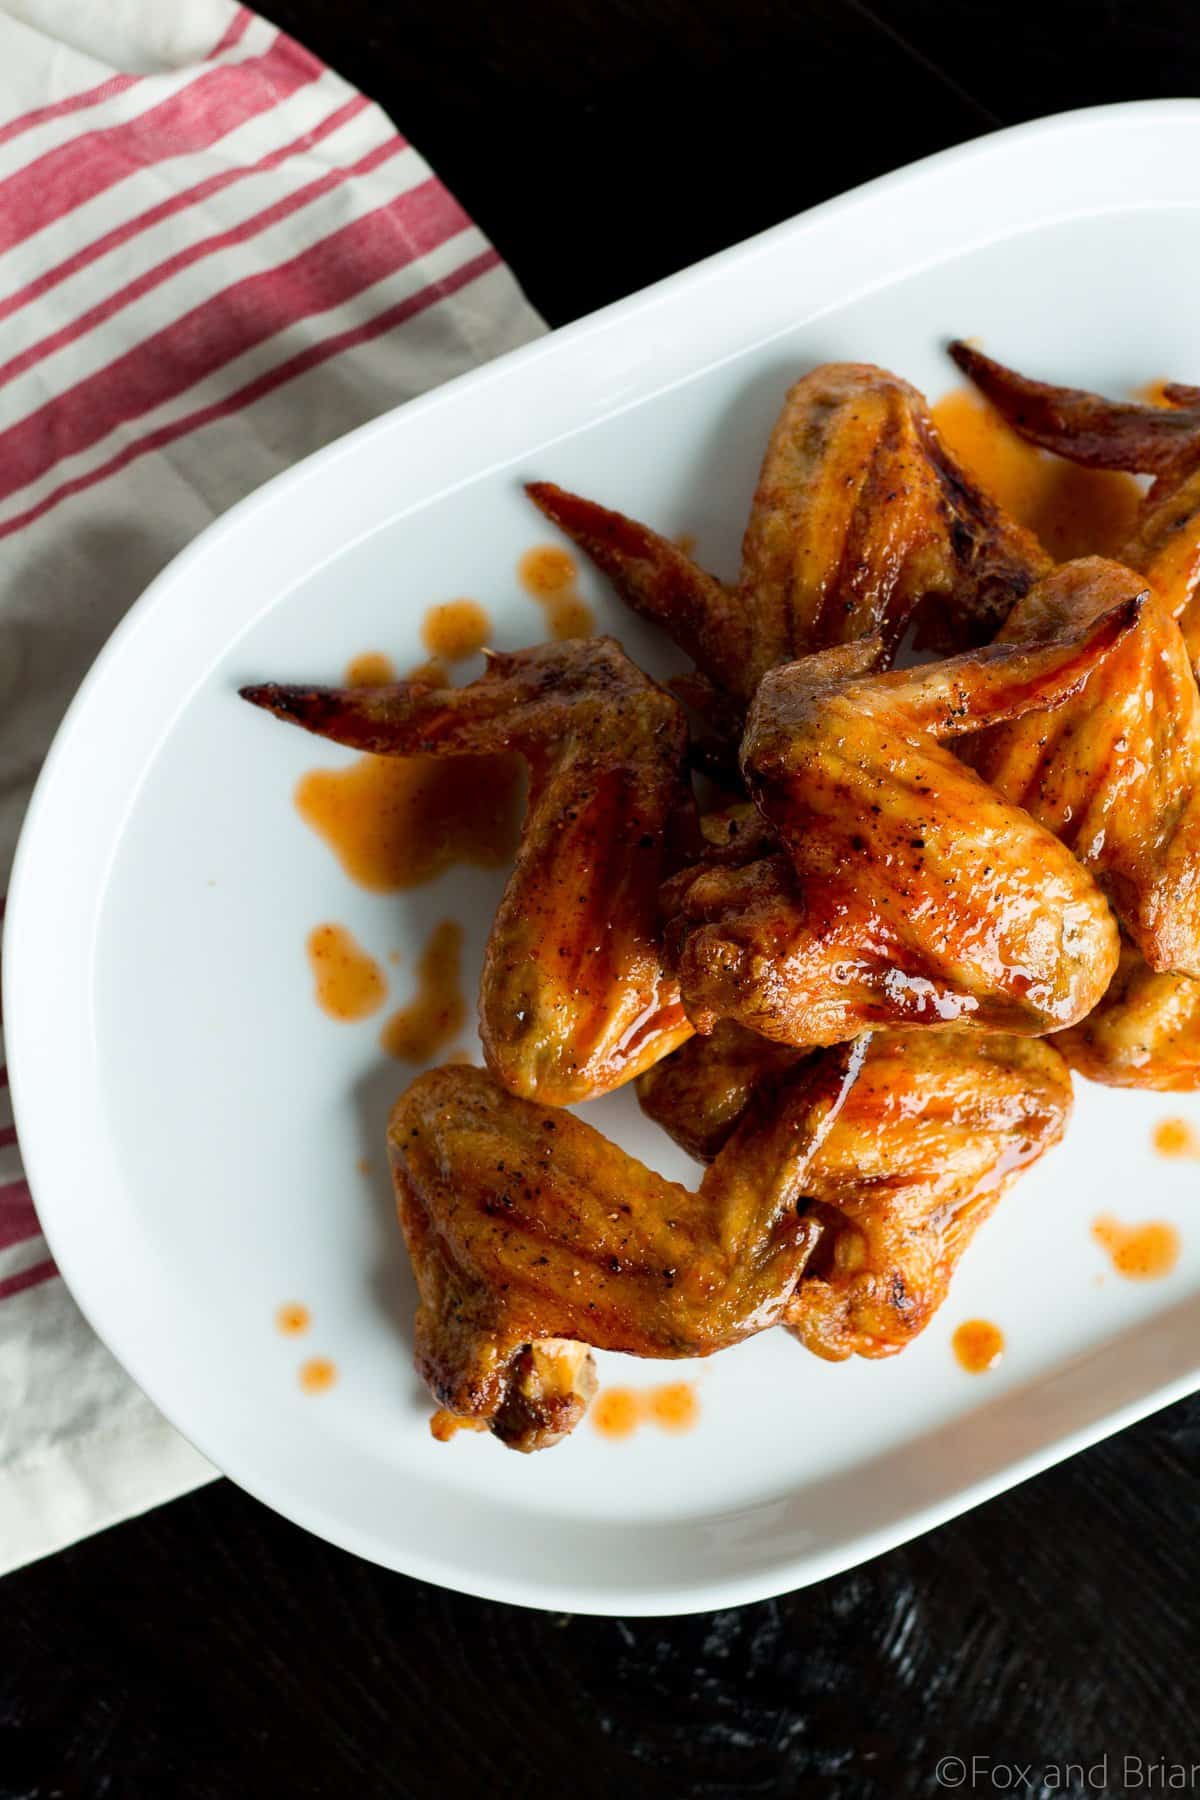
point(20, 991)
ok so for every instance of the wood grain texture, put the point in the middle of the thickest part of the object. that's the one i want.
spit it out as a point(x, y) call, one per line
point(211, 1651)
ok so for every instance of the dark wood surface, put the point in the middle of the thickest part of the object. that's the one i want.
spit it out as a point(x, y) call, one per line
point(213, 1651)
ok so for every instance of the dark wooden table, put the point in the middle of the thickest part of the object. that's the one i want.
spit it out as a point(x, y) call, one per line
point(213, 1651)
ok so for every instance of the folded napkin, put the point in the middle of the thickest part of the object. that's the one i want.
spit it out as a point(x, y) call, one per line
point(214, 257)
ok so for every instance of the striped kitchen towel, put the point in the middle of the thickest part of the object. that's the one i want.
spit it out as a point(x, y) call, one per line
point(214, 257)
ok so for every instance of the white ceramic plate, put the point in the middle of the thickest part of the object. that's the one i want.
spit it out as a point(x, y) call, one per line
point(191, 1122)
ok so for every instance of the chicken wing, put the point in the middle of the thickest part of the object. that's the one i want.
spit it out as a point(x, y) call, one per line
point(1163, 441)
point(574, 998)
point(937, 1127)
point(1115, 772)
point(526, 1227)
point(910, 893)
point(1145, 1032)
point(860, 517)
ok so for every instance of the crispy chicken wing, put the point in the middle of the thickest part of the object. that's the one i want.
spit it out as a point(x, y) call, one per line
point(860, 517)
point(525, 1226)
point(1144, 1033)
point(1114, 772)
point(1163, 441)
point(574, 998)
point(910, 893)
point(936, 1128)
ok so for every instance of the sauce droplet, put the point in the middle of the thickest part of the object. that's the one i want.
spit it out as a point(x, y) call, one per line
point(317, 1374)
point(1175, 1137)
point(371, 669)
point(1074, 511)
point(978, 1345)
point(398, 822)
point(292, 1319)
point(456, 629)
point(437, 1013)
point(349, 982)
point(617, 1412)
point(548, 575)
point(1139, 1252)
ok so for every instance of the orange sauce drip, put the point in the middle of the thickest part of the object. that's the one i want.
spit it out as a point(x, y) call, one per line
point(371, 669)
point(1175, 1137)
point(1139, 1252)
point(317, 1375)
point(292, 1319)
point(456, 629)
point(349, 982)
point(978, 1345)
point(397, 822)
point(444, 1425)
point(548, 574)
point(433, 673)
point(617, 1411)
point(427, 1024)
point(1074, 511)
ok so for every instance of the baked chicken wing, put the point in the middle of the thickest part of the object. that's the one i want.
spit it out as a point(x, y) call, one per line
point(860, 517)
point(1163, 441)
point(937, 1127)
point(574, 998)
point(527, 1230)
point(908, 892)
point(1145, 1032)
point(1114, 773)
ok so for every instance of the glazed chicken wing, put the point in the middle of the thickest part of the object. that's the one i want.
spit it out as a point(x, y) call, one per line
point(574, 998)
point(1163, 441)
point(1114, 772)
point(860, 517)
point(1145, 1032)
point(937, 1127)
point(526, 1228)
point(910, 893)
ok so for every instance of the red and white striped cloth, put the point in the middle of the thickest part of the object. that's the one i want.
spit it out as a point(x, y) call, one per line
point(214, 257)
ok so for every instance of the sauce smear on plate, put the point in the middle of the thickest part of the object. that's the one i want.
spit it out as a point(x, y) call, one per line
point(371, 669)
point(1175, 1137)
point(318, 1374)
point(1139, 1252)
point(437, 1013)
point(349, 982)
point(292, 1318)
point(456, 629)
point(548, 574)
point(617, 1412)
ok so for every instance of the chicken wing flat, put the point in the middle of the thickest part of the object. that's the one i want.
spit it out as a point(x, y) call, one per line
point(1145, 1033)
point(1163, 441)
point(1114, 773)
point(574, 998)
point(937, 1127)
point(526, 1228)
point(861, 515)
point(910, 893)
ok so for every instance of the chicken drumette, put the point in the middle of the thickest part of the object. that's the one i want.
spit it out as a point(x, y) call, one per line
point(937, 1127)
point(574, 998)
point(908, 892)
point(529, 1232)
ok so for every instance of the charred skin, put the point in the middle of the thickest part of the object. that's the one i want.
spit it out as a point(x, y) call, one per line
point(908, 893)
point(574, 998)
point(860, 517)
point(937, 1127)
point(524, 1225)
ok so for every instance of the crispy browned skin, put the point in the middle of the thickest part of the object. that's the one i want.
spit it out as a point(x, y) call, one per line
point(1163, 441)
point(938, 1125)
point(524, 1224)
point(1145, 1032)
point(1114, 772)
point(860, 516)
point(574, 998)
point(911, 893)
